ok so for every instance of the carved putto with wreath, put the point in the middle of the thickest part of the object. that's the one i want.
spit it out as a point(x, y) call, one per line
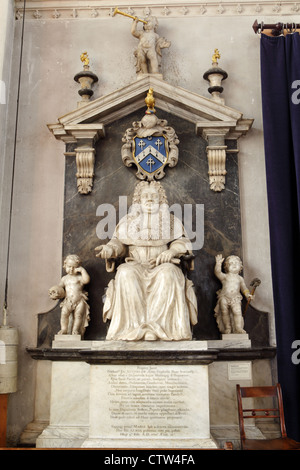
point(150, 144)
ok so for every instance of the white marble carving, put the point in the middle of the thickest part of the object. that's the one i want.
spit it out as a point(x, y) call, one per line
point(150, 298)
point(148, 53)
point(69, 404)
point(85, 159)
point(228, 311)
point(230, 340)
point(216, 156)
point(74, 308)
point(105, 10)
point(126, 412)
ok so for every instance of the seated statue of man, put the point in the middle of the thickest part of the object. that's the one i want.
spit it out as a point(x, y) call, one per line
point(150, 297)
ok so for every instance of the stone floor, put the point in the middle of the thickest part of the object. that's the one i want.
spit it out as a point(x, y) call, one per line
point(223, 434)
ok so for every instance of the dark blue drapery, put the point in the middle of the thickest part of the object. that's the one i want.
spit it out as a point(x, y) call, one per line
point(280, 81)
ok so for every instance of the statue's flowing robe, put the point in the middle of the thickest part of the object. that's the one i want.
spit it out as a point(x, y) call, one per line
point(144, 297)
point(218, 312)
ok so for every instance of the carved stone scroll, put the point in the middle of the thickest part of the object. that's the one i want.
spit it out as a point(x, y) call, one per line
point(85, 136)
point(85, 159)
point(216, 156)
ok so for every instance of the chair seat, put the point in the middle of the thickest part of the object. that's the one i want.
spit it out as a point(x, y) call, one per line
point(270, 444)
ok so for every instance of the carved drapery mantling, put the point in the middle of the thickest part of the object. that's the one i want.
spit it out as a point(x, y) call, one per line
point(161, 135)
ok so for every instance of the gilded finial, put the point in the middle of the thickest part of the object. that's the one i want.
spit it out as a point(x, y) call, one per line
point(84, 59)
point(216, 56)
point(150, 102)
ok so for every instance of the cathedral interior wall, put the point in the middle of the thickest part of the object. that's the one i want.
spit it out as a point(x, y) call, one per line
point(51, 57)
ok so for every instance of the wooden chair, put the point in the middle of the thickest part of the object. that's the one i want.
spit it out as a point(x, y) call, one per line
point(280, 443)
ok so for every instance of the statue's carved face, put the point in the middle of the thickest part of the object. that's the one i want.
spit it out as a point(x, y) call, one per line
point(233, 264)
point(151, 24)
point(149, 200)
point(70, 266)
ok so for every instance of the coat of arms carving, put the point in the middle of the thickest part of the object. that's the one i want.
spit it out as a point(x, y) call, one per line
point(150, 144)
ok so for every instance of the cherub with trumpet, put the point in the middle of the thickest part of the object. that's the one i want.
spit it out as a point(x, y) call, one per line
point(148, 53)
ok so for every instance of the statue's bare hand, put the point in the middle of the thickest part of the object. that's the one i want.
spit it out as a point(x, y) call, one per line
point(104, 251)
point(166, 257)
point(219, 259)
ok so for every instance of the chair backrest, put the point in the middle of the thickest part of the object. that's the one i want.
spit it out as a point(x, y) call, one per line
point(260, 413)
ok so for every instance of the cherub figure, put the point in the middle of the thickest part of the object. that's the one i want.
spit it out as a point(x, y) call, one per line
point(228, 311)
point(74, 306)
point(148, 52)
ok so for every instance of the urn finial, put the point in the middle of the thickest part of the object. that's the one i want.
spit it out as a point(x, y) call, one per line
point(214, 76)
point(86, 78)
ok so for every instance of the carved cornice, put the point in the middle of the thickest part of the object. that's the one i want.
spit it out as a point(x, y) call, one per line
point(152, 357)
point(76, 9)
point(176, 100)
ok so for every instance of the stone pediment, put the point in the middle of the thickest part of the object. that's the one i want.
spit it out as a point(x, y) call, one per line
point(213, 120)
point(203, 112)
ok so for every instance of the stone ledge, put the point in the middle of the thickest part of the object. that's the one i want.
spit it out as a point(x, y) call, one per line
point(147, 356)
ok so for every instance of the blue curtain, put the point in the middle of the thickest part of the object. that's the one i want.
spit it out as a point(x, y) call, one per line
point(280, 81)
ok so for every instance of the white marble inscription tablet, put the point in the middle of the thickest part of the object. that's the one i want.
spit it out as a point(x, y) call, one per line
point(149, 406)
point(239, 371)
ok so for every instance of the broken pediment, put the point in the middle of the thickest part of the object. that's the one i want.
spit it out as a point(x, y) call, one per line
point(213, 120)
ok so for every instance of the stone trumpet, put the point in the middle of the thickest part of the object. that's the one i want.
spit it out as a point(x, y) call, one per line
point(119, 12)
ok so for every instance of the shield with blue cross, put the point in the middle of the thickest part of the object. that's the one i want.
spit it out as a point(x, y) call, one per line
point(150, 153)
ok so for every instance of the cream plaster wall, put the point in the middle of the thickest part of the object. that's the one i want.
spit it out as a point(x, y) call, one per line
point(6, 41)
point(52, 48)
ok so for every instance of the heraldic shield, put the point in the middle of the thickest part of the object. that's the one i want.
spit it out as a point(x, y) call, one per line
point(150, 153)
point(150, 144)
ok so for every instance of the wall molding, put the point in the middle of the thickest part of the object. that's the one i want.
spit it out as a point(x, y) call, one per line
point(93, 9)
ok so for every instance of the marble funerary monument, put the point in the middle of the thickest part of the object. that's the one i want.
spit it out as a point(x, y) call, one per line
point(149, 321)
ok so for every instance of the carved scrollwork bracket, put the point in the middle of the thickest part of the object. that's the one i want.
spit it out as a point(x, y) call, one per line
point(216, 133)
point(85, 136)
point(85, 160)
point(216, 156)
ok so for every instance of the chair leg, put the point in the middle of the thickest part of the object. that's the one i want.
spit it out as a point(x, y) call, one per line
point(3, 418)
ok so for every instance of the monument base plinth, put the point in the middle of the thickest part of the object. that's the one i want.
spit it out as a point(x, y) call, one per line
point(231, 340)
point(158, 405)
point(208, 443)
point(70, 341)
